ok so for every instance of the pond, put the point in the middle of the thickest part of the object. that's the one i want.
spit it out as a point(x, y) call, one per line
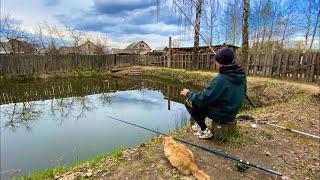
point(46, 123)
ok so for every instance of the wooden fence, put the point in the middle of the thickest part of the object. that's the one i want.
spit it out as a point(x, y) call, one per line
point(32, 64)
point(295, 66)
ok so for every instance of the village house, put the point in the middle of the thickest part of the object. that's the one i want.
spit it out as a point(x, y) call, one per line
point(140, 47)
point(88, 48)
point(17, 47)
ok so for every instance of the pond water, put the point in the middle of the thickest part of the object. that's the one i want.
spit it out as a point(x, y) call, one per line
point(59, 122)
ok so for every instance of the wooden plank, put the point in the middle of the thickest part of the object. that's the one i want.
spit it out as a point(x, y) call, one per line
point(285, 65)
point(312, 68)
point(271, 61)
point(279, 64)
point(296, 66)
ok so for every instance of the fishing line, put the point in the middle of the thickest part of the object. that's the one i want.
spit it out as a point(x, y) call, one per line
point(211, 150)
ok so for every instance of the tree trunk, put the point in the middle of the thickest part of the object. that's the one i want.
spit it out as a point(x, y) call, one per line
point(245, 34)
point(196, 36)
point(308, 24)
point(314, 30)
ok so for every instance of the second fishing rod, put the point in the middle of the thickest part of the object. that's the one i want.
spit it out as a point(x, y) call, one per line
point(209, 149)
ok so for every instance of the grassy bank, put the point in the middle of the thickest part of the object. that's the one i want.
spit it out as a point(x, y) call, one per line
point(73, 73)
point(81, 169)
point(264, 91)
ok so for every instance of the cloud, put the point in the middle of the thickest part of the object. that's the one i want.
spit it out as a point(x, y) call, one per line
point(119, 6)
point(51, 2)
point(126, 21)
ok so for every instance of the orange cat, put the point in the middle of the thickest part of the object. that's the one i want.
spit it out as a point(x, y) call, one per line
point(182, 158)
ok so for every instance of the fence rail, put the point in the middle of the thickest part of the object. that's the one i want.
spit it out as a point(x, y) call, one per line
point(295, 66)
point(32, 64)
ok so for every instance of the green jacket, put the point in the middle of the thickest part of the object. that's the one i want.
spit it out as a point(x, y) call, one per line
point(222, 98)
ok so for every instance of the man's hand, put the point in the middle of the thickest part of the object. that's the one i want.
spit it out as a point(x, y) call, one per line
point(184, 92)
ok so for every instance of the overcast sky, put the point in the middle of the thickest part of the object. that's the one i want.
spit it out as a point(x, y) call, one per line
point(123, 21)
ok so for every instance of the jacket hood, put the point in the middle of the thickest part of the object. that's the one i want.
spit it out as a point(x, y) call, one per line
point(234, 77)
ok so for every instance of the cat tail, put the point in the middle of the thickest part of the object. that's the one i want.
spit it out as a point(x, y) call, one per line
point(200, 175)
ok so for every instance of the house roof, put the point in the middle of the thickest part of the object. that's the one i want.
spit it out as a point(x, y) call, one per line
point(88, 42)
point(134, 44)
point(6, 47)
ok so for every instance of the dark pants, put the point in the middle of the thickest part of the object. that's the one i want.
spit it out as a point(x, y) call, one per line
point(198, 115)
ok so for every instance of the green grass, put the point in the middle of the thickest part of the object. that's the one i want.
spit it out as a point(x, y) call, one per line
point(51, 173)
point(54, 75)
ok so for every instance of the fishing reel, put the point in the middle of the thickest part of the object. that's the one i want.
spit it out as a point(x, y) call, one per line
point(188, 102)
point(242, 167)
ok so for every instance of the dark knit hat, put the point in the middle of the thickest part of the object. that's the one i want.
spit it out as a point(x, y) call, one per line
point(225, 56)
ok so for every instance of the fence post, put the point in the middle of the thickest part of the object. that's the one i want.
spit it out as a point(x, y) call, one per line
point(313, 65)
point(279, 63)
point(271, 64)
point(296, 66)
point(286, 61)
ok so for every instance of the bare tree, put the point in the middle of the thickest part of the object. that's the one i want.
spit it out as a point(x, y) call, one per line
point(102, 43)
point(245, 34)
point(196, 35)
point(315, 29)
point(55, 35)
point(211, 17)
point(76, 36)
point(12, 32)
point(176, 43)
point(308, 22)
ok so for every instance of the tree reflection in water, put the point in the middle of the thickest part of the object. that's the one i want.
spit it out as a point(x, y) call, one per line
point(23, 114)
point(20, 115)
point(67, 99)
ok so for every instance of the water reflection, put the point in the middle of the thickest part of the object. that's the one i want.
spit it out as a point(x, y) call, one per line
point(69, 97)
point(20, 114)
point(59, 122)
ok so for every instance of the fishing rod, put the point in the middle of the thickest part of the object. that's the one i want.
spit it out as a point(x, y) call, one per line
point(272, 123)
point(211, 150)
point(206, 41)
point(296, 131)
